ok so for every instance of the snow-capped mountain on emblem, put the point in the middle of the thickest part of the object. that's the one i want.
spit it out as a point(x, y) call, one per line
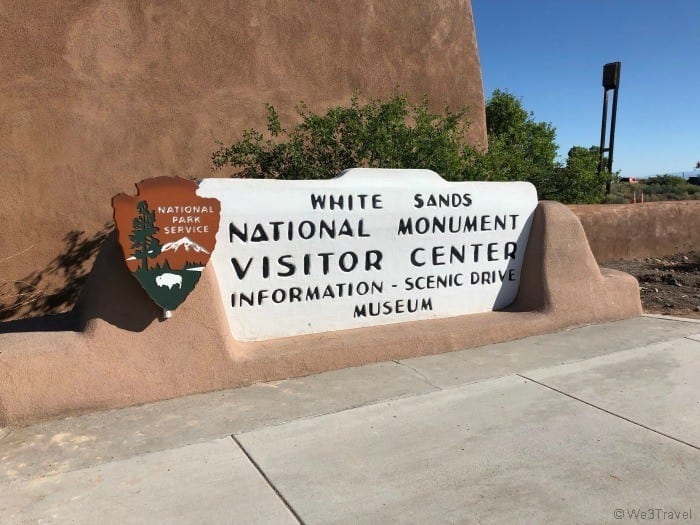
point(185, 243)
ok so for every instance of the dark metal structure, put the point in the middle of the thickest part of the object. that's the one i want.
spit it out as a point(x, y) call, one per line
point(611, 80)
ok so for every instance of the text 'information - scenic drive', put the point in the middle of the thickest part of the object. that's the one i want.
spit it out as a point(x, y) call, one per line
point(371, 247)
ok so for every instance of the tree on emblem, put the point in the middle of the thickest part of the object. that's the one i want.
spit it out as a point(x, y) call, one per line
point(142, 238)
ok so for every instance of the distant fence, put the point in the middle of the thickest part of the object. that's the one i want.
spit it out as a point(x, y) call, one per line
point(623, 231)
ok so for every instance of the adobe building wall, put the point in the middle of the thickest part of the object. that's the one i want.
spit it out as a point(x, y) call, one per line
point(624, 231)
point(97, 95)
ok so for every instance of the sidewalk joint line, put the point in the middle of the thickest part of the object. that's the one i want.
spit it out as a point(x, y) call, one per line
point(268, 480)
point(611, 413)
point(419, 374)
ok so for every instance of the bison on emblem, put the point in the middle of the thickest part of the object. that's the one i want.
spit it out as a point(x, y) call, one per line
point(169, 280)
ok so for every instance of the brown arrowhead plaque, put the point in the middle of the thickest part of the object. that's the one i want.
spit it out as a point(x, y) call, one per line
point(167, 233)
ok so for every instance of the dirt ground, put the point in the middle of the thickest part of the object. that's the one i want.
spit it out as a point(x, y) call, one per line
point(669, 285)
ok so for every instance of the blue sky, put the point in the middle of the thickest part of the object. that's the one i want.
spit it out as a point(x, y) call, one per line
point(551, 55)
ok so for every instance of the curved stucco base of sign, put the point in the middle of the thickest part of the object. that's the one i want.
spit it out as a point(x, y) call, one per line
point(123, 355)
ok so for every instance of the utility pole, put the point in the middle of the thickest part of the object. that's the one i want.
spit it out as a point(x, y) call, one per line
point(611, 80)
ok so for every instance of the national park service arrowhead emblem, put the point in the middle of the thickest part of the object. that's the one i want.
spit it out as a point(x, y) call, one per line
point(167, 233)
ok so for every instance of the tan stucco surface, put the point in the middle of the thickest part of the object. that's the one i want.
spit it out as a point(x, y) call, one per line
point(653, 229)
point(124, 355)
point(97, 95)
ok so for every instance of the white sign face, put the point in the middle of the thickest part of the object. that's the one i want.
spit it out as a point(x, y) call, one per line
point(371, 247)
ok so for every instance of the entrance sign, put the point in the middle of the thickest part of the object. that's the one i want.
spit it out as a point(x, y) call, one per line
point(371, 247)
point(167, 234)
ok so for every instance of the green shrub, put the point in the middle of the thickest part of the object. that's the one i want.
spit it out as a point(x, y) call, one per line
point(519, 147)
point(580, 181)
point(398, 134)
point(391, 134)
point(615, 199)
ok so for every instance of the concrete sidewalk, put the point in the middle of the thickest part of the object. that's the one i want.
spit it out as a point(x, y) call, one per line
point(574, 427)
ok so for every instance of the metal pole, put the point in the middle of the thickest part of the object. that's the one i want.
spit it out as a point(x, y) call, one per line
point(612, 131)
point(602, 130)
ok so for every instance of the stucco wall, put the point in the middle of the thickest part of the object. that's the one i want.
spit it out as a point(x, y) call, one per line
point(623, 231)
point(120, 354)
point(96, 95)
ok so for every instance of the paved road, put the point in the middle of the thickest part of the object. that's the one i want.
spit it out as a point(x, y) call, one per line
point(576, 427)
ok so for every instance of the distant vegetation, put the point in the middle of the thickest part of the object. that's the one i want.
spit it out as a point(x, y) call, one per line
point(656, 188)
point(395, 133)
